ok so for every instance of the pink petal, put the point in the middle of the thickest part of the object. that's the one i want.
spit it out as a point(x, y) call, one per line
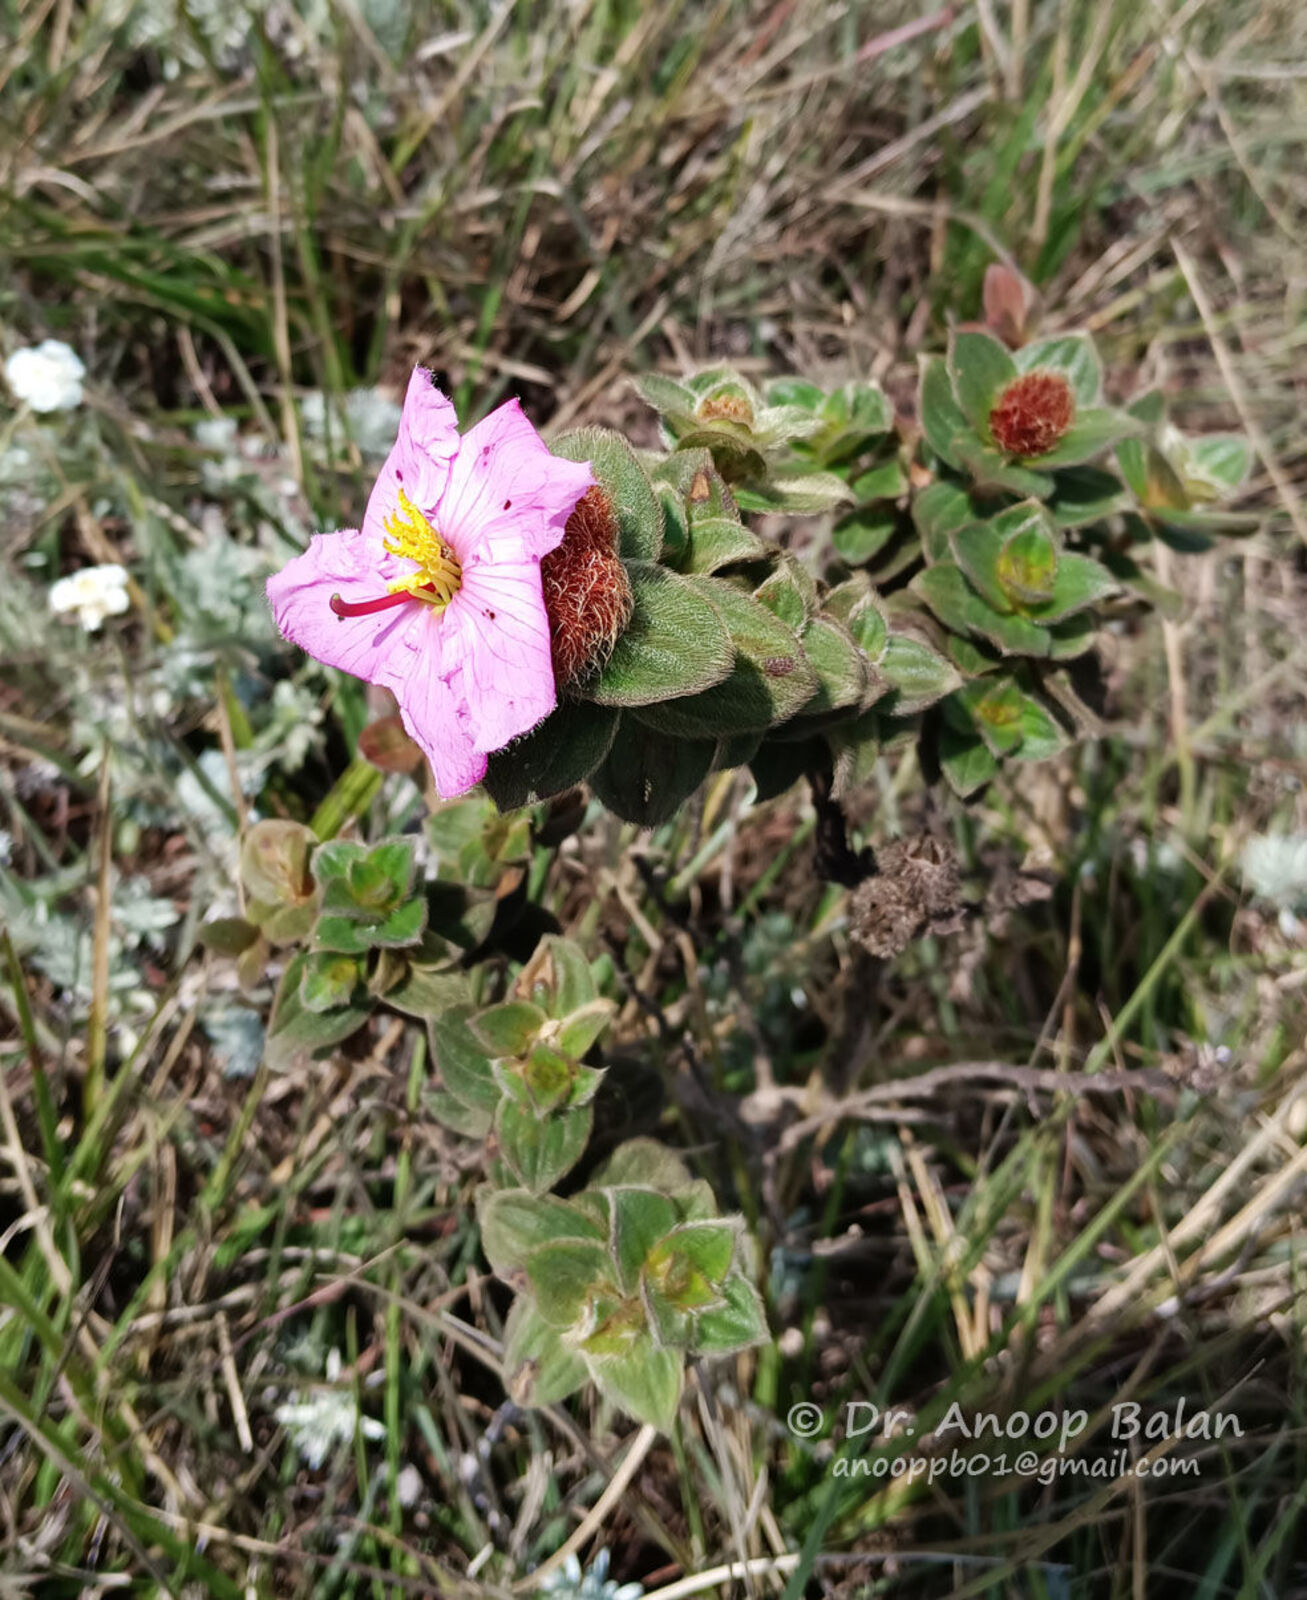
point(504, 483)
point(500, 631)
point(433, 708)
point(300, 595)
point(419, 459)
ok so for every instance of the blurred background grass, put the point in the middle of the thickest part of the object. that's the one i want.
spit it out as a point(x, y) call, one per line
point(250, 222)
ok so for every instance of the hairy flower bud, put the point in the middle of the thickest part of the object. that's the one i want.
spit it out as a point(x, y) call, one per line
point(587, 592)
point(1032, 414)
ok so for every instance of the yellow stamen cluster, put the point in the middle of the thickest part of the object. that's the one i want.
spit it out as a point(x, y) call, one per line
point(438, 577)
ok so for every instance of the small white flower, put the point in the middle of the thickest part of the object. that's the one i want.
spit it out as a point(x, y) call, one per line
point(1275, 869)
point(93, 594)
point(408, 1486)
point(47, 376)
point(324, 1418)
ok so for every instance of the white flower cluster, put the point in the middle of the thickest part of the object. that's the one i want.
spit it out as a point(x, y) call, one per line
point(1274, 867)
point(47, 376)
point(569, 1582)
point(92, 594)
point(324, 1418)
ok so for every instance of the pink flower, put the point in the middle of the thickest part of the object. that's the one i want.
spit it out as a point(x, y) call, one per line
point(438, 597)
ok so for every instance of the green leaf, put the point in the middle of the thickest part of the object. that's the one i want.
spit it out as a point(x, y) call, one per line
point(294, 1027)
point(864, 620)
point(965, 760)
point(715, 542)
point(859, 537)
point(738, 1325)
point(789, 593)
point(464, 1066)
point(800, 493)
point(859, 409)
point(938, 511)
point(703, 1248)
point(1027, 565)
point(644, 1163)
point(918, 675)
point(665, 394)
point(539, 1369)
point(989, 470)
point(578, 1032)
point(508, 1029)
point(227, 936)
point(1080, 582)
point(770, 680)
point(942, 419)
point(556, 756)
point(972, 659)
point(996, 710)
point(980, 367)
point(514, 1222)
point(641, 1218)
point(618, 472)
point(648, 775)
point(285, 924)
point(694, 478)
point(345, 935)
point(1071, 354)
point(469, 1121)
point(1202, 526)
point(1011, 722)
point(795, 392)
point(1224, 459)
point(454, 824)
point(427, 991)
point(675, 643)
point(547, 1075)
point(334, 859)
point(948, 594)
point(1042, 736)
point(855, 746)
point(645, 1381)
point(1086, 494)
point(1089, 435)
point(1072, 637)
point(676, 524)
point(542, 1149)
point(839, 664)
point(565, 1274)
point(885, 481)
point(563, 980)
point(403, 927)
point(328, 981)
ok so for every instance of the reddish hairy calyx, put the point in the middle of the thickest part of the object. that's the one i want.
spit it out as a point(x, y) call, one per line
point(1032, 414)
point(587, 592)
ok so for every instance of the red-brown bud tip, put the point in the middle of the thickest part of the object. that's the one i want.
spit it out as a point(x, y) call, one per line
point(1032, 414)
point(587, 592)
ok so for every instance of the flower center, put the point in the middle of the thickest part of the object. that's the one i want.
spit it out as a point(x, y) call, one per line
point(438, 577)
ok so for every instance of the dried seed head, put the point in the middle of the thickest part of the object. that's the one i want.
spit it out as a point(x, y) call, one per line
point(587, 592)
point(1032, 414)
